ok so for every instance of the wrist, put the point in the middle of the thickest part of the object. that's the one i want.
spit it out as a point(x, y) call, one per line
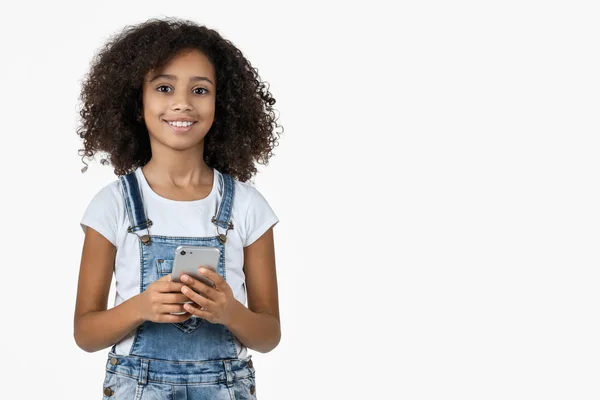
point(137, 309)
point(234, 310)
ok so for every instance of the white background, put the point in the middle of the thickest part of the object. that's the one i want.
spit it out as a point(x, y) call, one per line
point(436, 182)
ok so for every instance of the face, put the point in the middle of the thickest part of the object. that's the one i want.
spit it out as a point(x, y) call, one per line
point(183, 91)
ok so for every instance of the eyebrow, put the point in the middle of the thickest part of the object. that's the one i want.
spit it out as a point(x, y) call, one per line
point(173, 78)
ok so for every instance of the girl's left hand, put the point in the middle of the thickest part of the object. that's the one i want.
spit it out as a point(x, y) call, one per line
point(216, 305)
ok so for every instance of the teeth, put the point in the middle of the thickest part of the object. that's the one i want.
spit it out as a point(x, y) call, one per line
point(180, 123)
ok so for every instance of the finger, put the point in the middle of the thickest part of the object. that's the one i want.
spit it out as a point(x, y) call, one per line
point(170, 308)
point(169, 287)
point(195, 310)
point(173, 298)
point(174, 318)
point(200, 286)
point(195, 297)
point(212, 275)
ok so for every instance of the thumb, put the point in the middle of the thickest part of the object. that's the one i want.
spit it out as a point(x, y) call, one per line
point(165, 278)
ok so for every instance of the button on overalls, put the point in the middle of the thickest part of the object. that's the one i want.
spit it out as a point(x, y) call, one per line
point(195, 359)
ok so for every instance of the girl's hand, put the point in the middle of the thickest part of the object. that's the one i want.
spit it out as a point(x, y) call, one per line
point(214, 304)
point(160, 299)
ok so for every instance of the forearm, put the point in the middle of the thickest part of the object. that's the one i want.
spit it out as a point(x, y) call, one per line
point(98, 330)
point(257, 331)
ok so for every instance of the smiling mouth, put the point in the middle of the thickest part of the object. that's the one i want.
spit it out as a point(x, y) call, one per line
point(184, 128)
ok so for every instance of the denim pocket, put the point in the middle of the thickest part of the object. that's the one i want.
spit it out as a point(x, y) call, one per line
point(165, 267)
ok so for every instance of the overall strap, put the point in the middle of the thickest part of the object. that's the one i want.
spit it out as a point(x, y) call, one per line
point(134, 203)
point(223, 217)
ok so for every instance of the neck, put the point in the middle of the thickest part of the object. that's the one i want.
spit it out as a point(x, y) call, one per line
point(178, 168)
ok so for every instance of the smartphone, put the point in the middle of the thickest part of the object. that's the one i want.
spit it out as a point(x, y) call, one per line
point(189, 258)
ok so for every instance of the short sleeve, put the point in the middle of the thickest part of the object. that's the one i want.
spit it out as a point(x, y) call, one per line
point(259, 217)
point(102, 214)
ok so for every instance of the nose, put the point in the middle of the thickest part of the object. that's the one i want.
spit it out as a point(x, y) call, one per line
point(181, 102)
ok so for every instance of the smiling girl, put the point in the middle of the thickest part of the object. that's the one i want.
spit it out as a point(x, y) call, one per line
point(183, 118)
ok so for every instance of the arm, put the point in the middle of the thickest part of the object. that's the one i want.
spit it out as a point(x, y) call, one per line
point(95, 328)
point(258, 326)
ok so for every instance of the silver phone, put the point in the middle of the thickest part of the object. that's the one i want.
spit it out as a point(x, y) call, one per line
point(189, 258)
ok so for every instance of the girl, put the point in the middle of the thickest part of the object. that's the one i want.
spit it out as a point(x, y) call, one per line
point(183, 117)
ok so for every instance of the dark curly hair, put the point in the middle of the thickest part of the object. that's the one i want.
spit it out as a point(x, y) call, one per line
point(243, 131)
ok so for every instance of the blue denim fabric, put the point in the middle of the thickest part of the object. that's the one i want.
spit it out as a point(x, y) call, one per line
point(195, 359)
point(140, 378)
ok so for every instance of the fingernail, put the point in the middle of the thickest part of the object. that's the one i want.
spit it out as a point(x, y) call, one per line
point(184, 289)
point(202, 270)
point(185, 278)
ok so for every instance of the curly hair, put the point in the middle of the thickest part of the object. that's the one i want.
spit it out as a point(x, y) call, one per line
point(243, 131)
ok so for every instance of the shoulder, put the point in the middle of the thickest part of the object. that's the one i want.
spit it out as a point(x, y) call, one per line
point(246, 191)
point(249, 196)
point(105, 211)
point(257, 214)
point(108, 202)
point(109, 193)
point(243, 191)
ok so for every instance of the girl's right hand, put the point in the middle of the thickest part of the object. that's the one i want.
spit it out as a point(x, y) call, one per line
point(160, 299)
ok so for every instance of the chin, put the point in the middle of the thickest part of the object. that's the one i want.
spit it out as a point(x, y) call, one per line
point(181, 145)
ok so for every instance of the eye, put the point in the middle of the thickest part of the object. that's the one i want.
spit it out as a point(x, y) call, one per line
point(167, 87)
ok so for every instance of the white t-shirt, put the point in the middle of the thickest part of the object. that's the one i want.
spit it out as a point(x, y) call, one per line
point(251, 217)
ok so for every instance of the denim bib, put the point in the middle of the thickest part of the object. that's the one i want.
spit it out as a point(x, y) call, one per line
point(194, 339)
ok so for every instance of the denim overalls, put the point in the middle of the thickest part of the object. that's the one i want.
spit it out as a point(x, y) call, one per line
point(195, 359)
